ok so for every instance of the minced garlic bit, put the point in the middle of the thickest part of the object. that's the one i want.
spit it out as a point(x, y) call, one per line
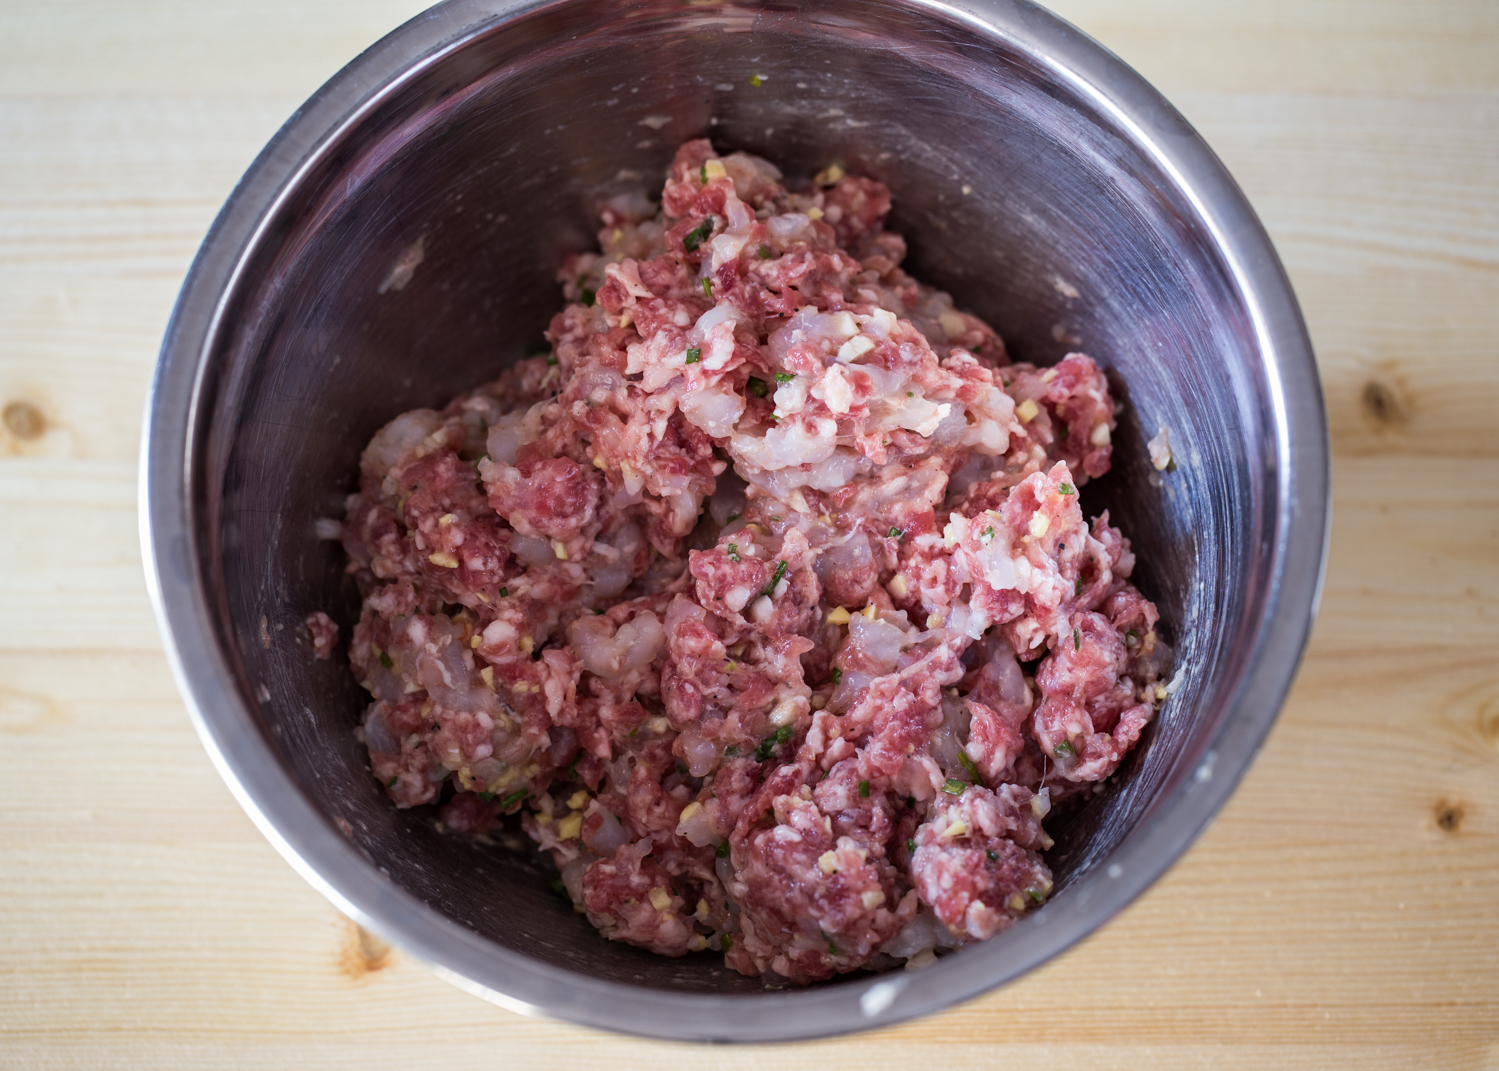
point(829, 175)
point(660, 898)
point(444, 559)
point(898, 586)
point(871, 898)
point(934, 621)
point(698, 943)
point(1016, 902)
point(570, 827)
point(1027, 410)
point(869, 611)
point(1100, 436)
point(487, 676)
point(702, 910)
point(714, 169)
point(1040, 522)
point(828, 861)
point(838, 615)
point(957, 829)
point(814, 212)
point(526, 645)
point(578, 800)
point(559, 548)
point(445, 520)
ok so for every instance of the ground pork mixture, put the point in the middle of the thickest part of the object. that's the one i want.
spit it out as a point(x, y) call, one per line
point(765, 596)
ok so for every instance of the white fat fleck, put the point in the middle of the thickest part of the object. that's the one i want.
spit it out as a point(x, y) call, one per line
point(843, 324)
point(879, 323)
point(404, 268)
point(855, 347)
point(655, 122)
point(834, 388)
point(1160, 449)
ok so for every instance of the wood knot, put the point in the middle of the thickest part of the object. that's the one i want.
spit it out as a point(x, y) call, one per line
point(1449, 816)
point(1383, 404)
point(24, 420)
point(364, 954)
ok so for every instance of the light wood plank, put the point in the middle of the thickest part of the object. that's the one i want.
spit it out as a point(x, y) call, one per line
point(1340, 911)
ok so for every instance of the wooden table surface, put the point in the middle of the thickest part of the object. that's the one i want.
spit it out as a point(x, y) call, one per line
point(1342, 911)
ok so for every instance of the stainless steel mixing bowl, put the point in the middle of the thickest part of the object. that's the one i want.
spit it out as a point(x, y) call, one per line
point(1036, 177)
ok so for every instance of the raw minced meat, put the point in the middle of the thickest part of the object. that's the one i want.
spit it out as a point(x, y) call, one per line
point(765, 597)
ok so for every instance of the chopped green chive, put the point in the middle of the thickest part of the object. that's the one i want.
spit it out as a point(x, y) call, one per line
point(1062, 750)
point(894, 533)
point(727, 941)
point(1035, 894)
point(769, 745)
point(392, 782)
point(694, 355)
point(514, 798)
point(731, 750)
point(385, 660)
point(988, 533)
point(702, 173)
point(559, 888)
point(910, 844)
point(832, 949)
point(757, 387)
point(864, 790)
point(1077, 640)
point(698, 235)
point(731, 518)
point(756, 80)
point(991, 854)
point(734, 553)
point(598, 613)
point(487, 796)
point(764, 253)
point(707, 288)
point(973, 771)
point(1132, 635)
point(910, 394)
point(722, 851)
point(953, 787)
point(1061, 431)
point(587, 295)
point(552, 357)
point(785, 377)
point(1077, 588)
point(1067, 489)
point(504, 593)
point(837, 675)
point(770, 589)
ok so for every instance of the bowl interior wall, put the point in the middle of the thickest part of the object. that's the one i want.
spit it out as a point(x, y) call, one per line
point(1012, 194)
